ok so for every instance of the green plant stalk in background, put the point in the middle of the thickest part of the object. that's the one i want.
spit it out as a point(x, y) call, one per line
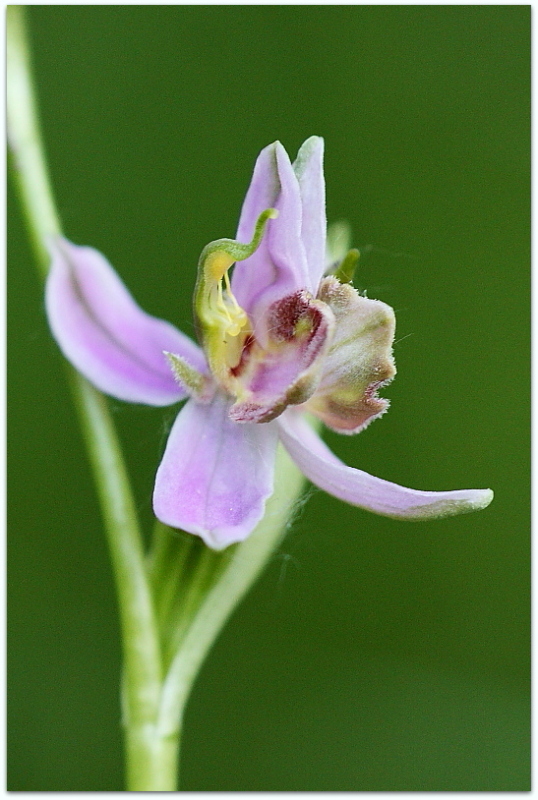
point(174, 601)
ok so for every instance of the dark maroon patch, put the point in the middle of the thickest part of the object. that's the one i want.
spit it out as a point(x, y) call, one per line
point(285, 314)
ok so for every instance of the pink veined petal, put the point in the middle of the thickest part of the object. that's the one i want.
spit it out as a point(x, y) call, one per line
point(279, 265)
point(106, 335)
point(358, 488)
point(308, 167)
point(215, 475)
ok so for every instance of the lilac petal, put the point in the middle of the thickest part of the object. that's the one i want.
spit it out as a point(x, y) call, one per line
point(106, 335)
point(279, 265)
point(308, 167)
point(253, 274)
point(284, 237)
point(262, 193)
point(358, 488)
point(215, 475)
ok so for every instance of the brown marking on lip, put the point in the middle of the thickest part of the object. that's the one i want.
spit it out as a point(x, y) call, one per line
point(287, 316)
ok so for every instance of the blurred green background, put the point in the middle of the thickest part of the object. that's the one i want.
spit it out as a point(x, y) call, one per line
point(373, 654)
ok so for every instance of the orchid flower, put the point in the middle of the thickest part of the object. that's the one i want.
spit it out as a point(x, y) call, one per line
point(279, 340)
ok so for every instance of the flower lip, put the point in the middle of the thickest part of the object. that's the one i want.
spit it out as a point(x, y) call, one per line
point(288, 369)
point(359, 361)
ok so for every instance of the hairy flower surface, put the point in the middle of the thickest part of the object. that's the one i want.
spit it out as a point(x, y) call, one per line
point(279, 339)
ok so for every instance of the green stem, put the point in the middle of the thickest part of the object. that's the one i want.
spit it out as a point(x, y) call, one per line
point(29, 165)
point(141, 647)
point(152, 760)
